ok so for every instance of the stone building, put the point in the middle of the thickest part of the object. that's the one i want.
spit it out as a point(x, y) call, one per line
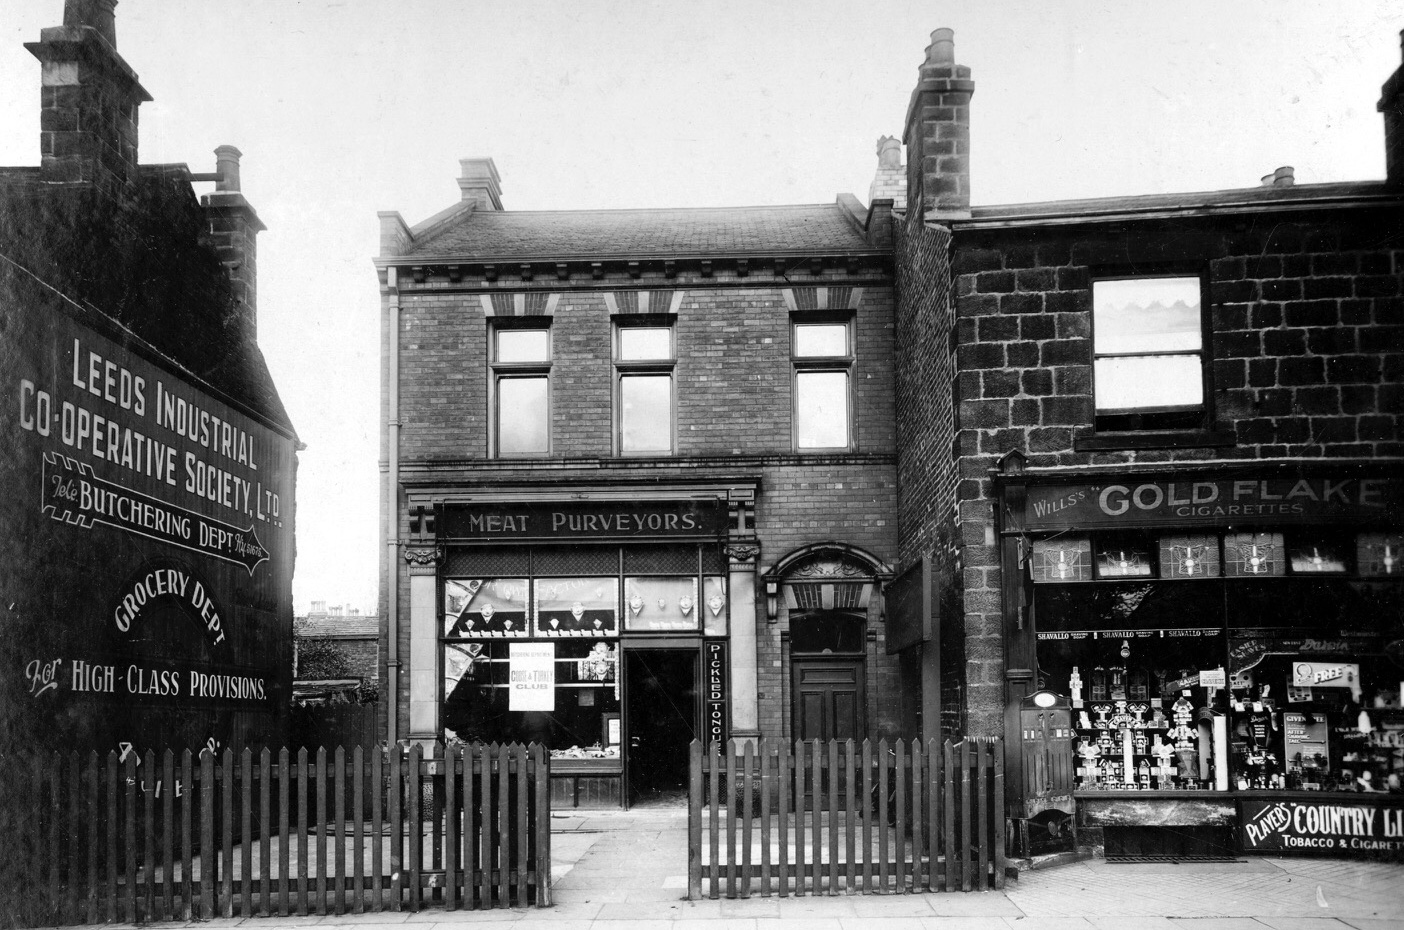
point(149, 465)
point(1109, 477)
point(1153, 442)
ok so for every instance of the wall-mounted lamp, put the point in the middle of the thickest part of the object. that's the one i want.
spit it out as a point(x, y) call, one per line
point(772, 600)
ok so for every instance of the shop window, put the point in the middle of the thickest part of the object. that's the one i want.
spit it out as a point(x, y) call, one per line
point(521, 388)
point(644, 359)
point(822, 357)
point(1378, 554)
point(656, 605)
point(1248, 555)
point(1320, 554)
point(1062, 559)
point(573, 721)
point(714, 601)
point(1149, 366)
point(576, 607)
point(1191, 556)
point(496, 607)
point(1124, 555)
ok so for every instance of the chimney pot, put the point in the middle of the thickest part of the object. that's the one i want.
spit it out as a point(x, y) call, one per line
point(1283, 177)
point(100, 15)
point(941, 51)
point(1266, 180)
point(227, 164)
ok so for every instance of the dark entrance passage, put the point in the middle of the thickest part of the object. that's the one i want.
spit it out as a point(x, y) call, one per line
point(661, 712)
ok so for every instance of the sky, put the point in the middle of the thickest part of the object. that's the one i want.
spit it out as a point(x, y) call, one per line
point(343, 108)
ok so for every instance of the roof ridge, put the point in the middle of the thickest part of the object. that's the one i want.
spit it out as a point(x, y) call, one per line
point(784, 206)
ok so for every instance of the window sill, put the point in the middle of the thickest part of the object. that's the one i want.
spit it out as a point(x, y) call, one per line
point(1154, 439)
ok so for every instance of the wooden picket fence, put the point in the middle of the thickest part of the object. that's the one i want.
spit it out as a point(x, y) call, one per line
point(839, 818)
point(106, 839)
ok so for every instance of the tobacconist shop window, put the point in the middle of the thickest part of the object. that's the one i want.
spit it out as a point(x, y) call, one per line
point(822, 355)
point(521, 387)
point(645, 356)
point(1149, 363)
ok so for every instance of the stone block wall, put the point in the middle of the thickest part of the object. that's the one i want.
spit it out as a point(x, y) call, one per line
point(1305, 347)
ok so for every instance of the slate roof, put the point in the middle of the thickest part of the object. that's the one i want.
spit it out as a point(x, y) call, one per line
point(358, 626)
point(1337, 195)
point(583, 234)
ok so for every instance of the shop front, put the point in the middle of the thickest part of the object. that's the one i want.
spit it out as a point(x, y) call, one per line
point(602, 629)
point(1230, 645)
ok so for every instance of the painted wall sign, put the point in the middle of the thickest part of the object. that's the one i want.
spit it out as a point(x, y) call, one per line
point(1131, 502)
point(148, 547)
point(149, 681)
point(531, 676)
point(1368, 828)
point(525, 522)
point(714, 672)
point(73, 494)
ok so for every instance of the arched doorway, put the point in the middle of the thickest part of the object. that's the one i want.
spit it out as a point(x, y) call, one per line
point(828, 593)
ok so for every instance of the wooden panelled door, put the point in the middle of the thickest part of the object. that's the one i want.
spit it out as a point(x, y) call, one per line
point(829, 699)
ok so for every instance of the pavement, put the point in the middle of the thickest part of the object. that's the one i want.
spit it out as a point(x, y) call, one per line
point(627, 870)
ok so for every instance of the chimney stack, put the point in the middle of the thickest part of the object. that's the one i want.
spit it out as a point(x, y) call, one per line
point(88, 99)
point(1392, 106)
point(480, 184)
point(890, 182)
point(937, 133)
point(234, 229)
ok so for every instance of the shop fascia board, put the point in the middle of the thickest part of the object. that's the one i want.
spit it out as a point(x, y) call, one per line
point(428, 494)
point(1218, 468)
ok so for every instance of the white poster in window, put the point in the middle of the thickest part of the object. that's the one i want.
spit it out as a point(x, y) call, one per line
point(532, 676)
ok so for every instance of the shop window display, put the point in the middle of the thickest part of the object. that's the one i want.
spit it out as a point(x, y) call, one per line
point(477, 698)
point(661, 604)
point(1273, 675)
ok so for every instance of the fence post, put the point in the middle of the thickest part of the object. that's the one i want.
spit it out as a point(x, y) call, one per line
point(396, 790)
point(948, 818)
point(209, 854)
point(415, 818)
point(246, 831)
point(694, 820)
point(782, 820)
point(265, 829)
point(713, 822)
point(982, 781)
point(850, 812)
point(743, 810)
point(884, 755)
point(187, 835)
point(965, 864)
point(452, 753)
point(767, 783)
point(918, 846)
point(933, 807)
point(469, 846)
point(378, 780)
point(523, 794)
point(816, 818)
point(284, 836)
point(358, 830)
point(320, 787)
point(541, 763)
point(800, 773)
point(303, 873)
point(998, 825)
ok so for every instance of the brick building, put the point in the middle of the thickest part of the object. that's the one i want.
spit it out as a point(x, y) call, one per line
point(147, 524)
point(652, 452)
point(1161, 465)
point(1110, 477)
